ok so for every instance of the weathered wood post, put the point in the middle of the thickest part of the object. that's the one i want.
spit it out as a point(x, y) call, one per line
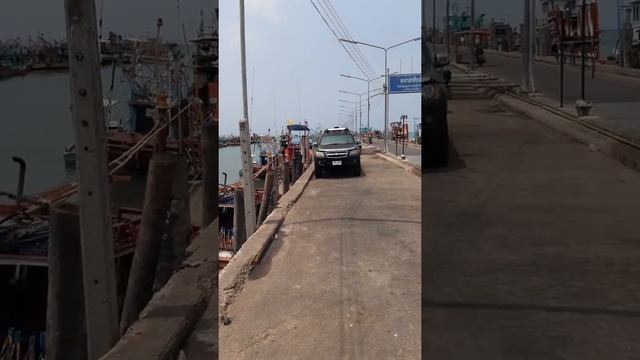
point(239, 226)
point(209, 139)
point(66, 331)
point(294, 169)
point(23, 169)
point(286, 177)
point(266, 197)
point(275, 190)
point(157, 201)
point(101, 308)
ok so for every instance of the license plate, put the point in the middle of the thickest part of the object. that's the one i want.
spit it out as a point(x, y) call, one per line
point(336, 163)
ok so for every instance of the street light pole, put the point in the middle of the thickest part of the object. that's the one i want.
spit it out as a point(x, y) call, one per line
point(386, 85)
point(472, 59)
point(583, 45)
point(448, 39)
point(386, 103)
point(433, 34)
point(368, 81)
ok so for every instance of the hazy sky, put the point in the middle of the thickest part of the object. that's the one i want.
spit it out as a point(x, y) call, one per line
point(289, 47)
point(128, 17)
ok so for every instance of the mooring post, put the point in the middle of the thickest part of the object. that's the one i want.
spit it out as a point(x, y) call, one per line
point(239, 220)
point(209, 138)
point(23, 169)
point(275, 190)
point(157, 201)
point(286, 176)
point(266, 197)
point(101, 308)
point(66, 332)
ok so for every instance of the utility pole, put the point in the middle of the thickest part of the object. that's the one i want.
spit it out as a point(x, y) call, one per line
point(386, 103)
point(433, 20)
point(245, 141)
point(583, 40)
point(368, 106)
point(528, 35)
point(98, 268)
point(472, 43)
point(448, 36)
point(620, 37)
point(561, 48)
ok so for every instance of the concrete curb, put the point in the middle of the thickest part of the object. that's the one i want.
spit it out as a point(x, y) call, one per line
point(406, 166)
point(626, 154)
point(234, 275)
point(611, 69)
point(167, 320)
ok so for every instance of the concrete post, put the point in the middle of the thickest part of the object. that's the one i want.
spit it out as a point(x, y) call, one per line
point(447, 28)
point(266, 197)
point(101, 308)
point(209, 140)
point(66, 331)
point(239, 220)
point(174, 244)
point(247, 178)
point(472, 44)
point(528, 37)
point(152, 228)
point(286, 176)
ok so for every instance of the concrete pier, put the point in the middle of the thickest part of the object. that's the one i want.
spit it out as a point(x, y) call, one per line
point(339, 280)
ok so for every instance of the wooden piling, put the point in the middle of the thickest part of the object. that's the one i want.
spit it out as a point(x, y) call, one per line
point(286, 176)
point(266, 197)
point(66, 329)
point(209, 143)
point(239, 220)
point(294, 169)
point(153, 227)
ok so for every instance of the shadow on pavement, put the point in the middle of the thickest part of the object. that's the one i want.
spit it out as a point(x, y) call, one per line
point(455, 162)
point(337, 174)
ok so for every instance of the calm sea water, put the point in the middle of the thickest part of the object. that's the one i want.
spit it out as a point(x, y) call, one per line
point(35, 124)
point(229, 161)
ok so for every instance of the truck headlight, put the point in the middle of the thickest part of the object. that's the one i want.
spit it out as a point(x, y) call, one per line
point(319, 155)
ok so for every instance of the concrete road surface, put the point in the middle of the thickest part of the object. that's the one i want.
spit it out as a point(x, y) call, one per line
point(615, 97)
point(413, 152)
point(531, 245)
point(605, 88)
point(342, 279)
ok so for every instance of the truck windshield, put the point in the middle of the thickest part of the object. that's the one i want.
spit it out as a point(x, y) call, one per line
point(338, 139)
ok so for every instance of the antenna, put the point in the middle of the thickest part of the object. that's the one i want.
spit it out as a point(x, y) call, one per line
point(298, 100)
point(253, 83)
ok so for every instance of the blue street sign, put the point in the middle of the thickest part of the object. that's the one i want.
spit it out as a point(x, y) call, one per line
point(405, 83)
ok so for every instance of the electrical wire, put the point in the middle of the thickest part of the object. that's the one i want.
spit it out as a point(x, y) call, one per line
point(338, 38)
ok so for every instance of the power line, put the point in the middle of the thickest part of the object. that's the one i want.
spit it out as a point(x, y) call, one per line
point(338, 38)
point(337, 28)
point(347, 35)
